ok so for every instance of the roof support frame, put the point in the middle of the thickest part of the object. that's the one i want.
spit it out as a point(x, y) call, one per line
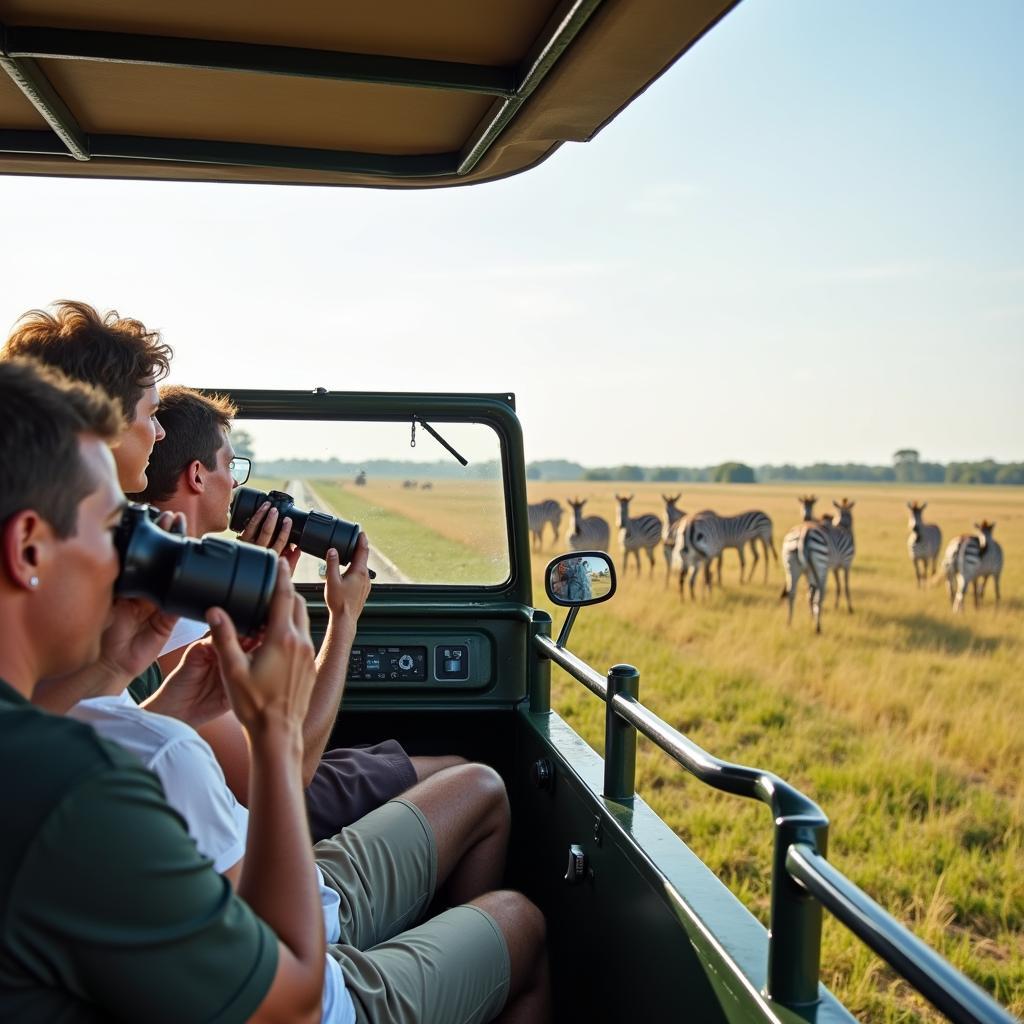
point(259, 58)
point(26, 74)
point(22, 46)
point(564, 25)
point(236, 154)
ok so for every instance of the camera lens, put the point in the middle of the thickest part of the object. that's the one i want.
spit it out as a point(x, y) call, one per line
point(186, 577)
point(314, 532)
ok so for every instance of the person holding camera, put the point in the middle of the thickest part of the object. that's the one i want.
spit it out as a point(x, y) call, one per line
point(109, 910)
point(449, 849)
point(194, 471)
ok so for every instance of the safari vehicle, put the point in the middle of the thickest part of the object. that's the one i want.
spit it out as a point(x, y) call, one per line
point(423, 95)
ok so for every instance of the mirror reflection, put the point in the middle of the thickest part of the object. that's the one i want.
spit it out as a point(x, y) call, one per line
point(580, 579)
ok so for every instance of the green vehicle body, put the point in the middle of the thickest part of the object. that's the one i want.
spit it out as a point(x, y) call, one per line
point(639, 927)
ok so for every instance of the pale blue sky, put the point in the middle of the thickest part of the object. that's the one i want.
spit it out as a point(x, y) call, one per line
point(805, 242)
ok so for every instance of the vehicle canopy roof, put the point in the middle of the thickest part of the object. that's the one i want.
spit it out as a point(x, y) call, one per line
point(401, 93)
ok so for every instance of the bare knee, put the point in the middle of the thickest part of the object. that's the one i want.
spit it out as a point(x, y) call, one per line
point(525, 931)
point(467, 800)
point(488, 788)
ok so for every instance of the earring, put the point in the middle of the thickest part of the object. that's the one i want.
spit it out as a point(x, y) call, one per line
point(34, 581)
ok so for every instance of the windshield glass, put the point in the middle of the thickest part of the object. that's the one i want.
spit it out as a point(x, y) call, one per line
point(429, 519)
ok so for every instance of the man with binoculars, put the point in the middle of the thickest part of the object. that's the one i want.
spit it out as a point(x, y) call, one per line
point(111, 910)
point(194, 470)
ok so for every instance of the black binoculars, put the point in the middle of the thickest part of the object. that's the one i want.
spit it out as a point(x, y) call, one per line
point(314, 532)
point(187, 577)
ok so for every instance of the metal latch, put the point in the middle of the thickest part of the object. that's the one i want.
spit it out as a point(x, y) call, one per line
point(577, 871)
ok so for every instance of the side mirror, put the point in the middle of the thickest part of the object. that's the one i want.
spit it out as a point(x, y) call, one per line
point(580, 578)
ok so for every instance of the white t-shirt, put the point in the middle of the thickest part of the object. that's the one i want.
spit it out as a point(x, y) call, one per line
point(185, 632)
point(195, 787)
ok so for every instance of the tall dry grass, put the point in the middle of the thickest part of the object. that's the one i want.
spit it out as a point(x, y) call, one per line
point(904, 722)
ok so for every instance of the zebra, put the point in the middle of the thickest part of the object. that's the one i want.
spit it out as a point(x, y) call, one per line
point(970, 560)
point(747, 527)
point(634, 534)
point(668, 535)
point(539, 516)
point(808, 501)
point(924, 542)
point(791, 548)
point(689, 555)
point(588, 534)
point(715, 533)
point(818, 548)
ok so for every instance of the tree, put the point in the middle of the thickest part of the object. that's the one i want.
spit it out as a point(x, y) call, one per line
point(241, 441)
point(665, 474)
point(733, 473)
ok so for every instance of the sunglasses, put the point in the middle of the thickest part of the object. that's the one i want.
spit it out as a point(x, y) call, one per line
point(240, 468)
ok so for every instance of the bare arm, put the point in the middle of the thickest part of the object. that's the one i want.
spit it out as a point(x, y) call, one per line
point(270, 697)
point(345, 596)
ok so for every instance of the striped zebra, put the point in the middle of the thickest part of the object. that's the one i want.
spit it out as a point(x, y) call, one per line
point(668, 535)
point(748, 528)
point(808, 501)
point(642, 533)
point(819, 548)
point(588, 534)
point(539, 516)
point(711, 534)
point(690, 557)
point(924, 543)
point(970, 560)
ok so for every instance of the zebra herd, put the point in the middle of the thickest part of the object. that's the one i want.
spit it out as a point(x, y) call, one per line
point(970, 559)
point(815, 547)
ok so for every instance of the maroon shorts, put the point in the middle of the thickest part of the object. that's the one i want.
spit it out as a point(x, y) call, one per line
point(352, 781)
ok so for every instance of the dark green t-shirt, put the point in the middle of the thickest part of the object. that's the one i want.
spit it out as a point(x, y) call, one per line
point(147, 684)
point(107, 910)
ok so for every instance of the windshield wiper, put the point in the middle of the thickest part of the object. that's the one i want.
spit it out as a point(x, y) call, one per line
point(434, 434)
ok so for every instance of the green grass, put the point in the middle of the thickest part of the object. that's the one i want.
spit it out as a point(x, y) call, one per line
point(423, 554)
point(904, 723)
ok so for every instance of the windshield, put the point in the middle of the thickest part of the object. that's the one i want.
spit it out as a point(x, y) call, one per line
point(429, 519)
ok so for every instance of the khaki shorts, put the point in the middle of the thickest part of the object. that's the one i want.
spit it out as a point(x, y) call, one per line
point(453, 969)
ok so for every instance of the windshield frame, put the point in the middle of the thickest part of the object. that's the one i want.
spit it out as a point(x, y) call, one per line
point(494, 410)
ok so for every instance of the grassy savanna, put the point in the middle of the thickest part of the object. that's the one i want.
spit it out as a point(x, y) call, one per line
point(452, 533)
point(904, 722)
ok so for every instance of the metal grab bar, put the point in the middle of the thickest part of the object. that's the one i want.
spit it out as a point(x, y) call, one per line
point(803, 881)
point(794, 945)
point(576, 667)
point(785, 800)
point(934, 977)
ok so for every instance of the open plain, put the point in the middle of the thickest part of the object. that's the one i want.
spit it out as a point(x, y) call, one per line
point(903, 721)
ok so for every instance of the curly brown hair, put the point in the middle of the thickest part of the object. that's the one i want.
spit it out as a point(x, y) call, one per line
point(116, 353)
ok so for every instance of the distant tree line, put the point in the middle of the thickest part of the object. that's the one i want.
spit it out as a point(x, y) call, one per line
point(907, 467)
